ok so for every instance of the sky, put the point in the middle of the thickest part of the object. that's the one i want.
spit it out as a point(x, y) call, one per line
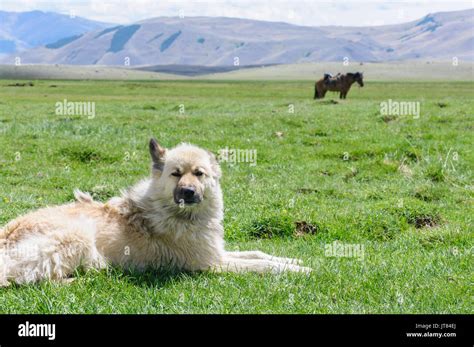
point(300, 12)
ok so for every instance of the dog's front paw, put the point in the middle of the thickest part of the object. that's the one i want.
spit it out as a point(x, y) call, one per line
point(295, 261)
point(304, 269)
point(294, 268)
point(283, 260)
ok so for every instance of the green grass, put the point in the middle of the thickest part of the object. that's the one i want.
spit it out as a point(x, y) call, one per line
point(399, 187)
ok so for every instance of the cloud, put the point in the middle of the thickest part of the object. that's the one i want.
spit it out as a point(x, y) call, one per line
point(302, 12)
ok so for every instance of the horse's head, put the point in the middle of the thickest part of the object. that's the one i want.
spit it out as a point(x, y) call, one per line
point(359, 78)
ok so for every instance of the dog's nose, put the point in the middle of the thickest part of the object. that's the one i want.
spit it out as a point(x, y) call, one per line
point(188, 192)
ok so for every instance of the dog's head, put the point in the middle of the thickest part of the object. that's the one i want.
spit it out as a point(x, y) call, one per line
point(185, 175)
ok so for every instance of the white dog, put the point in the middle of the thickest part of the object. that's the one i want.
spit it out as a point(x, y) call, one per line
point(171, 220)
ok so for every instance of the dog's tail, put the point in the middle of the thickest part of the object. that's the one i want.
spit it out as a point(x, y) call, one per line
point(82, 197)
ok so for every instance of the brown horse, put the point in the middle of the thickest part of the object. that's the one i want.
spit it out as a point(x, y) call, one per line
point(339, 83)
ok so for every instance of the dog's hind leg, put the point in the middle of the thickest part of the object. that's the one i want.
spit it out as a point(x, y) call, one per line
point(232, 264)
point(50, 256)
point(261, 255)
point(3, 271)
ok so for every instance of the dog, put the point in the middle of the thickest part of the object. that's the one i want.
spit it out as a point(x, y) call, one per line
point(172, 219)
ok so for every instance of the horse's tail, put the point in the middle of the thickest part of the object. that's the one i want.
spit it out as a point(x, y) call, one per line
point(316, 95)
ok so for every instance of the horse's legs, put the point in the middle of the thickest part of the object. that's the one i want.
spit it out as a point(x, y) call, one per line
point(320, 93)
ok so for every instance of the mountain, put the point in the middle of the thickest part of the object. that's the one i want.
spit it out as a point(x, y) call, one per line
point(23, 30)
point(442, 35)
point(219, 41)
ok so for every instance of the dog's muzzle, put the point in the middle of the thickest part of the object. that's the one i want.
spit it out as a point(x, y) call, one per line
point(186, 195)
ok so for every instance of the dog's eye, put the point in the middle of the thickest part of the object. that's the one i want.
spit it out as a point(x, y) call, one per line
point(176, 174)
point(198, 173)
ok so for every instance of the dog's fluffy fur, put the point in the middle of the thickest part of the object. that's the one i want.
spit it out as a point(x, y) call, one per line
point(146, 227)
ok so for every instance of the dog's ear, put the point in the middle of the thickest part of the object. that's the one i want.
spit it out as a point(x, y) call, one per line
point(215, 165)
point(157, 154)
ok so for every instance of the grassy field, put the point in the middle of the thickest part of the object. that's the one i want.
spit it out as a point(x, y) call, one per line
point(412, 71)
point(395, 187)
